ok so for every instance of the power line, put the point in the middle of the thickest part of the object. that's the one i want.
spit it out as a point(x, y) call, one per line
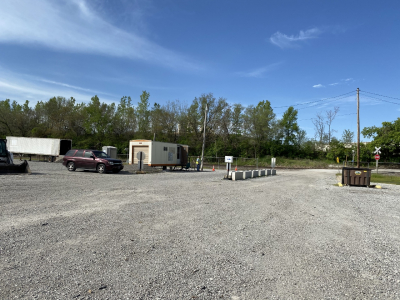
point(324, 103)
point(382, 100)
point(336, 116)
point(380, 95)
point(315, 101)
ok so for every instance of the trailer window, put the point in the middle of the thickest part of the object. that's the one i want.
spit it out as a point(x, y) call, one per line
point(79, 153)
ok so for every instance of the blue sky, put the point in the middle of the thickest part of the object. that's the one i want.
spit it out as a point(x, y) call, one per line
point(287, 52)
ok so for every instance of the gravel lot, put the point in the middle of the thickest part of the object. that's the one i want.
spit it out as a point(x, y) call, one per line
point(190, 235)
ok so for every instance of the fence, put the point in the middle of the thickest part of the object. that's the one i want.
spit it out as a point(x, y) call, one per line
point(242, 163)
point(372, 165)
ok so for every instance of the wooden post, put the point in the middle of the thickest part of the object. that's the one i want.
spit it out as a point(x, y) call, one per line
point(358, 128)
point(204, 138)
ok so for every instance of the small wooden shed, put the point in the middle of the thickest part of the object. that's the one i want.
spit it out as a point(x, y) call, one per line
point(158, 153)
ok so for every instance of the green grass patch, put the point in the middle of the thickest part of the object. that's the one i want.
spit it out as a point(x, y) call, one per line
point(381, 178)
point(296, 163)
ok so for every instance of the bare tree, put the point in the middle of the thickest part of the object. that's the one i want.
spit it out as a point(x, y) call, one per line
point(330, 116)
point(319, 125)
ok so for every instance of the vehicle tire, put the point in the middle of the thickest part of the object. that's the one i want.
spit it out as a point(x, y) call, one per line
point(101, 168)
point(71, 166)
point(116, 171)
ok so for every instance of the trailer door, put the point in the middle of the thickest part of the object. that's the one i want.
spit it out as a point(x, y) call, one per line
point(178, 155)
point(136, 150)
point(184, 156)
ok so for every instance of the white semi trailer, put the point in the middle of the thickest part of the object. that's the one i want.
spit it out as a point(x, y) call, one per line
point(49, 148)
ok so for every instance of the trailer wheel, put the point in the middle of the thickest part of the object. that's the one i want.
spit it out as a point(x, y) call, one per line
point(101, 168)
point(50, 158)
point(71, 166)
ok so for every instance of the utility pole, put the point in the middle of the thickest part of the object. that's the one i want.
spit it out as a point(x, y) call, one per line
point(204, 138)
point(358, 128)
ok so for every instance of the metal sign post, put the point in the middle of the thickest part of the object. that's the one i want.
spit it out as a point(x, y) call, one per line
point(229, 161)
point(273, 162)
point(377, 156)
point(140, 156)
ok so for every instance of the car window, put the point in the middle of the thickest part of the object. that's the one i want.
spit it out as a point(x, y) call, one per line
point(88, 153)
point(70, 153)
point(100, 154)
point(79, 153)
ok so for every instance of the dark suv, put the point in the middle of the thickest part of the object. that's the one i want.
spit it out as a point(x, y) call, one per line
point(91, 159)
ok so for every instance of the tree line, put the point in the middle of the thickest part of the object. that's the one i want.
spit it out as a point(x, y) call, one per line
point(231, 129)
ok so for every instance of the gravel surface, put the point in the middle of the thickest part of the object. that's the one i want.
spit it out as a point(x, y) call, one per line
point(191, 235)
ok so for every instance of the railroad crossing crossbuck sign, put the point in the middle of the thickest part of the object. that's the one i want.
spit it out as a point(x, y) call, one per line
point(377, 156)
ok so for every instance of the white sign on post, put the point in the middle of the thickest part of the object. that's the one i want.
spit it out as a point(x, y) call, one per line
point(229, 159)
point(273, 161)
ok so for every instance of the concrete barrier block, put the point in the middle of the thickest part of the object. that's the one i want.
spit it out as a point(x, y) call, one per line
point(246, 174)
point(262, 172)
point(268, 172)
point(237, 176)
point(273, 172)
point(254, 173)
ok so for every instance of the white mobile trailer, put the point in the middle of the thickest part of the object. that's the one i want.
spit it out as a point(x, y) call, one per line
point(38, 146)
point(158, 153)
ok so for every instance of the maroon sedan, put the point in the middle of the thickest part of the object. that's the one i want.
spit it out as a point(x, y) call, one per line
point(91, 159)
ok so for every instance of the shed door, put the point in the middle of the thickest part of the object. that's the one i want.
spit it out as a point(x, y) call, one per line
point(136, 150)
point(184, 156)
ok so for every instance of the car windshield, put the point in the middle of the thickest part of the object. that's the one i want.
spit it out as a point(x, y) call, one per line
point(100, 154)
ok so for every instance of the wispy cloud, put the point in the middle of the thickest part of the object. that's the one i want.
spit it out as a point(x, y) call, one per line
point(289, 41)
point(75, 27)
point(342, 81)
point(317, 86)
point(260, 72)
point(72, 86)
point(21, 87)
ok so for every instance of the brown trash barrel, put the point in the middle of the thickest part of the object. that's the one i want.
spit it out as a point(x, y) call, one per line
point(356, 176)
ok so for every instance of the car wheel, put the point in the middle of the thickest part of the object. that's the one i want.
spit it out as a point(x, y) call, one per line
point(71, 166)
point(101, 168)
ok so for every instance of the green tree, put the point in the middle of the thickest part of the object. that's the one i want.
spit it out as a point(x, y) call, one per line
point(289, 126)
point(98, 122)
point(124, 121)
point(336, 149)
point(165, 121)
point(143, 116)
point(6, 118)
point(259, 125)
point(387, 137)
point(347, 136)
